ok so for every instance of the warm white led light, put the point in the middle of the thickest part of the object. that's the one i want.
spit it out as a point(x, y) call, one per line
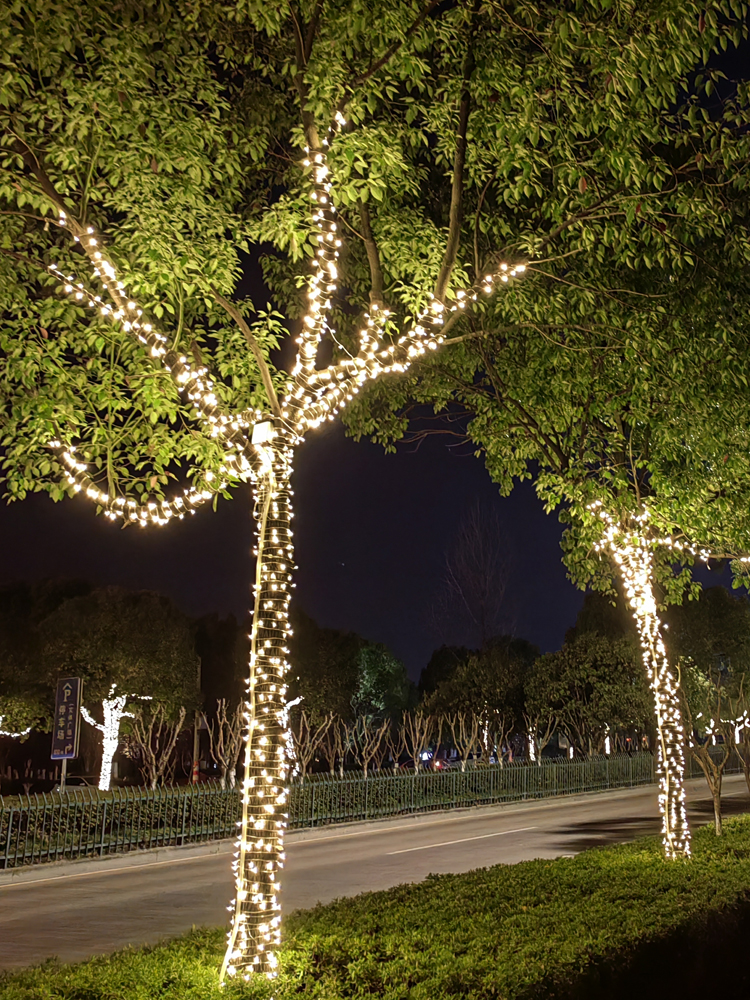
point(260, 447)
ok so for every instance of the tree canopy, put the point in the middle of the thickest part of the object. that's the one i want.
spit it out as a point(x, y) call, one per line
point(139, 641)
point(584, 140)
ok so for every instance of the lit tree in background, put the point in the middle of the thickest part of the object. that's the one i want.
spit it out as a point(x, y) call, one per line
point(146, 148)
point(114, 711)
point(127, 646)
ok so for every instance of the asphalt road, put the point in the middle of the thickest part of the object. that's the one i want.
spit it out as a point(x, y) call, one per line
point(76, 914)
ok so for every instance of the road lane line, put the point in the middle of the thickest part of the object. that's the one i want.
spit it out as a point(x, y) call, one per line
point(464, 840)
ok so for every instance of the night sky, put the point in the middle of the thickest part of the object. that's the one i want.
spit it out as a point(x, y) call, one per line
point(371, 530)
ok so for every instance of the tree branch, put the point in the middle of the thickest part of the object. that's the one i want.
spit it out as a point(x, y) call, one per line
point(303, 49)
point(459, 161)
point(393, 49)
point(252, 343)
point(373, 257)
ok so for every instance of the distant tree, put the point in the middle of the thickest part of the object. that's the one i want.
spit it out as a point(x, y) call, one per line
point(155, 731)
point(323, 667)
point(223, 648)
point(26, 694)
point(225, 740)
point(471, 602)
point(308, 737)
point(710, 639)
point(440, 668)
point(605, 615)
point(592, 685)
point(383, 686)
point(489, 685)
point(138, 641)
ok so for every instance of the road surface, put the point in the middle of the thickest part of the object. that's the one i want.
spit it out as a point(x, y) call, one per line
point(76, 914)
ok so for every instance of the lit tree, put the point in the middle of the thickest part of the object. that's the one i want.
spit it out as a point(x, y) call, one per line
point(179, 166)
point(113, 710)
point(137, 642)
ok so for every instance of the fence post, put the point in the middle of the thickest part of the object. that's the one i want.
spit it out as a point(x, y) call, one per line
point(184, 817)
point(7, 839)
point(312, 805)
point(104, 823)
point(367, 795)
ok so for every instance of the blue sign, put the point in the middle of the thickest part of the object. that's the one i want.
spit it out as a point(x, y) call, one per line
point(66, 726)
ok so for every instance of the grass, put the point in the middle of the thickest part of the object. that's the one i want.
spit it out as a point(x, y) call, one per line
point(573, 927)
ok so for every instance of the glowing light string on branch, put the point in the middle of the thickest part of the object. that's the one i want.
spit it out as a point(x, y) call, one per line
point(260, 447)
point(13, 736)
point(113, 707)
point(632, 551)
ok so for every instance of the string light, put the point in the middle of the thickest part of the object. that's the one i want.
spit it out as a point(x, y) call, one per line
point(261, 449)
point(13, 736)
point(114, 712)
point(632, 550)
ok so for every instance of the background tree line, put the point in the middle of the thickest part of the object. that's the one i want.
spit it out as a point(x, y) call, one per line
point(352, 703)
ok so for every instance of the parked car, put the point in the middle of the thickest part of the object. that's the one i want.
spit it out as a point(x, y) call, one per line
point(76, 781)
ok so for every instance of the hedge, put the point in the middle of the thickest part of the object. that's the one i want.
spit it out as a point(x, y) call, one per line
point(612, 922)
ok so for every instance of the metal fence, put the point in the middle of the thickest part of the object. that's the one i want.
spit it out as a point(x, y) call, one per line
point(86, 823)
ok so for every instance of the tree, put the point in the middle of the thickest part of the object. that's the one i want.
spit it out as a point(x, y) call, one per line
point(308, 738)
point(593, 685)
point(155, 735)
point(489, 686)
point(180, 137)
point(383, 687)
point(369, 740)
point(137, 642)
point(440, 668)
point(26, 696)
point(710, 638)
point(600, 376)
point(472, 602)
point(323, 667)
point(225, 733)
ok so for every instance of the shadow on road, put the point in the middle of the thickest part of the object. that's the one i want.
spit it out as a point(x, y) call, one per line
point(575, 837)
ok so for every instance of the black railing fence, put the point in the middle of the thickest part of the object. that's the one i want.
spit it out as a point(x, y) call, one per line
point(85, 823)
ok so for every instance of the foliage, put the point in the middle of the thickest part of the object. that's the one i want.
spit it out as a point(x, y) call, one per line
point(340, 673)
point(179, 136)
point(540, 929)
point(591, 685)
point(138, 640)
point(491, 680)
point(25, 693)
point(440, 668)
point(323, 667)
point(711, 639)
point(383, 687)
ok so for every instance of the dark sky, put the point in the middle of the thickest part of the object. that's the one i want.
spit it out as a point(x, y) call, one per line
point(371, 532)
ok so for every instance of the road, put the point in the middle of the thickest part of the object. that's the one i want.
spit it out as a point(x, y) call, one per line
point(75, 915)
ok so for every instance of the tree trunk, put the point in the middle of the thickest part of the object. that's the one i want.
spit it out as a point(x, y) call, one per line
point(716, 796)
point(255, 930)
point(635, 559)
point(109, 748)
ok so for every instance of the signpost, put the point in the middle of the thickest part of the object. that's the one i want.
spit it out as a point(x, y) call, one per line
point(66, 727)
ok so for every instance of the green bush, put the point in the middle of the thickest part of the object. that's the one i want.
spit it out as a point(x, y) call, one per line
point(607, 922)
